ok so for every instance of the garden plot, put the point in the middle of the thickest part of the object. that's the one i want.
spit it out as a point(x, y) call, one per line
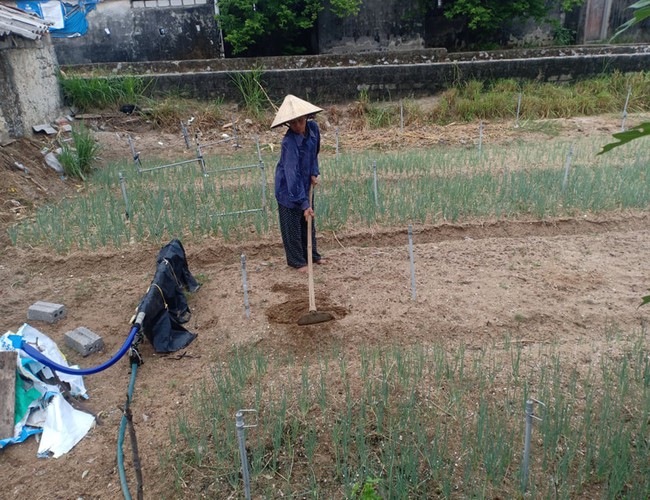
point(230, 196)
point(419, 398)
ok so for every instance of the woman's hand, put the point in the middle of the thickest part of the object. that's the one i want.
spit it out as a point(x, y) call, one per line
point(314, 180)
point(308, 213)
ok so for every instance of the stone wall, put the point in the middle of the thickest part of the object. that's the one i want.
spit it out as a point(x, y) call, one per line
point(278, 62)
point(398, 75)
point(119, 30)
point(29, 90)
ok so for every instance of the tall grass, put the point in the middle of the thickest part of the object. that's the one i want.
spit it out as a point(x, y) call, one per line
point(78, 157)
point(101, 93)
point(252, 91)
point(421, 423)
point(471, 100)
point(492, 100)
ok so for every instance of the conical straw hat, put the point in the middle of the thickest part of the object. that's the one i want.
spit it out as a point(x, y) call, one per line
point(293, 107)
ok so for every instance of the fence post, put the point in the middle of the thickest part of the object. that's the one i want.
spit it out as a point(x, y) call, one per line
point(337, 143)
point(567, 167)
point(239, 424)
point(245, 285)
point(374, 184)
point(259, 151)
point(529, 425)
point(127, 210)
point(136, 155)
point(199, 155)
point(480, 137)
point(413, 292)
point(185, 135)
point(263, 184)
point(234, 132)
point(627, 100)
point(401, 116)
point(518, 108)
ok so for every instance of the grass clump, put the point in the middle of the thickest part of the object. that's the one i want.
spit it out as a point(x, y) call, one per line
point(100, 93)
point(78, 157)
point(252, 91)
point(375, 115)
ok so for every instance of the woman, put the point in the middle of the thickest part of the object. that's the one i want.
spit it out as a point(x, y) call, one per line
point(296, 172)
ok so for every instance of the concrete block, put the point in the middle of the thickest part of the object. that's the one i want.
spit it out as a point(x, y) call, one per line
point(163, 3)
point(84, 341)
point(44, 127)
point(176, 3)
point(46, 311)
point(138, 4)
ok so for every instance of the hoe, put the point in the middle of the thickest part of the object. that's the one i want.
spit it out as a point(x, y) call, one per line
point(313, 316)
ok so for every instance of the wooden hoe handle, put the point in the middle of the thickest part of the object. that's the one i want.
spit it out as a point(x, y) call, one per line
point(310, 264)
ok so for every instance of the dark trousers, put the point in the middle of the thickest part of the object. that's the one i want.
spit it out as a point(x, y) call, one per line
point(293, 227)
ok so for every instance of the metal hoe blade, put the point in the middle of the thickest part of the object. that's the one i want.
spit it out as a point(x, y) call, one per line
point(314, 317)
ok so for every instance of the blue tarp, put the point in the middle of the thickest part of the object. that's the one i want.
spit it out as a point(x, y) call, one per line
point(73, 17)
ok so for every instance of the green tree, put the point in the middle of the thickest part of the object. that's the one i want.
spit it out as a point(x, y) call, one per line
point(491, 15)
point(487, 17)
point(282, 24)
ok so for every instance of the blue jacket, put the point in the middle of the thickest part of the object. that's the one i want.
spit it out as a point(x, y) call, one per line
point(298, 162)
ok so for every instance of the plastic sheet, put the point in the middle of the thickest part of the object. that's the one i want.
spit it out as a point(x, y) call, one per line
point(40, 405)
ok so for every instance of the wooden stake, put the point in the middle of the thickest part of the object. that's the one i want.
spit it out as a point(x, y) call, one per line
point(7, 393)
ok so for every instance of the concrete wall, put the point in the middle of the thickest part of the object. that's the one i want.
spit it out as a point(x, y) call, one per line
point(620, 13)
point(388, 25)
point(30, 93)
point(165, 30)
point(394, 81)
point(385, 25)
point(118, 31)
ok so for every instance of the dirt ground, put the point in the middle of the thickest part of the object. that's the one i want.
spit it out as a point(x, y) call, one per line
point(560, 281)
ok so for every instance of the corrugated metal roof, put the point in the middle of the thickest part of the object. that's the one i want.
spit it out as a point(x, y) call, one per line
point(16, 22)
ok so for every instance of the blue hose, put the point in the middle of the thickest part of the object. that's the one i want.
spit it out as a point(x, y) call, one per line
point(34, 353)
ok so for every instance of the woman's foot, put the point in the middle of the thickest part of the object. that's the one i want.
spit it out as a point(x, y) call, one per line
point(303, 269)
point(321, 261)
